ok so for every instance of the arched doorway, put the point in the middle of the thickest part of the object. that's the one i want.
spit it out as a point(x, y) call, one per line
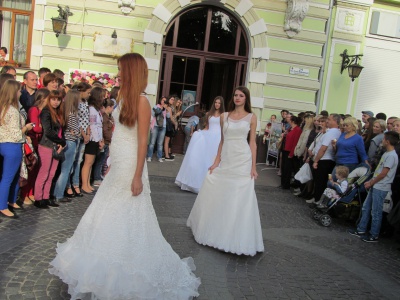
point(204, 55)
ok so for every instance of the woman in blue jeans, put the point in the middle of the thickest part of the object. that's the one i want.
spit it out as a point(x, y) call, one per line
point(72, 135)
point(12, 135)
point(157, 129)
point(83, 115)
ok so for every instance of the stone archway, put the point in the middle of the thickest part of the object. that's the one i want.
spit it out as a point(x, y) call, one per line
point(256, 31)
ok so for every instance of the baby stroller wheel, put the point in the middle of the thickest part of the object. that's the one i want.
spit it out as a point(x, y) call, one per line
point(325, 220)
point(316, 214)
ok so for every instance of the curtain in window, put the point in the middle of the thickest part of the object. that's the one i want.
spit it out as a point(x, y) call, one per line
point(6, 30)
point(20, 31)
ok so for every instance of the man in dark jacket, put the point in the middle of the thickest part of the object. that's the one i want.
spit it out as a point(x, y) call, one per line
point(27, 98)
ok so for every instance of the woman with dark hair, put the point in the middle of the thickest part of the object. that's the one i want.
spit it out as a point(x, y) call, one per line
point(117, 250)
point(72, 136)
point(3, 54)
point(171, 126)
point(84, 88)
point(368, 134)
point(225, 215)
point(114, 95)
point(202, 149)
point(52, 120)
point(157, 129)
point(50, 82)
point(288, 160)
point(41, 99)
point(96, 142)
point(12, 135)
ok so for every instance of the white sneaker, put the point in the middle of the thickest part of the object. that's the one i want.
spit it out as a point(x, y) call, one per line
point(160, 160)
point(149, 159)
point(296, 190)
point(312, 200)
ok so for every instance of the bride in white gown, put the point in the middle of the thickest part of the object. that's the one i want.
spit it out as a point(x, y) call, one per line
point(202, 150)
point(225, 215)
point(118, 250)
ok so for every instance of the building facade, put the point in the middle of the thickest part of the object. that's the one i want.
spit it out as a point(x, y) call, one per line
point(286, 52)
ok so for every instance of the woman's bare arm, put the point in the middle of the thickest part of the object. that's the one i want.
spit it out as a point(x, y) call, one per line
point(143, 124)
point(218, 157)
point(253, 146)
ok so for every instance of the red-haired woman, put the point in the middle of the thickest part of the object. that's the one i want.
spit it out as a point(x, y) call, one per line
point(118, 250)
point(52, 121)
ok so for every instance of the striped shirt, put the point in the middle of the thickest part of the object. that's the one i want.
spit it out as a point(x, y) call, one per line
point(72, 132)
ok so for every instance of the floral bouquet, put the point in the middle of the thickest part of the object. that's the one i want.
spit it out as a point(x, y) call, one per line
point(108, 80)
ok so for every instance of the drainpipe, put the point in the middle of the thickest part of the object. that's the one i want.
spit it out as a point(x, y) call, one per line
point(322, 71)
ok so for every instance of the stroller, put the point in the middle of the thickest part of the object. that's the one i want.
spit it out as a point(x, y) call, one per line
point(348, 205)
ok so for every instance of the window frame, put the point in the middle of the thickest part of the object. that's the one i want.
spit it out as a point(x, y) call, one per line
point(30, 14)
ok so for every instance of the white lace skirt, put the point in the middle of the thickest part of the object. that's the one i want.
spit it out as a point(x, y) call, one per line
point(119, 252)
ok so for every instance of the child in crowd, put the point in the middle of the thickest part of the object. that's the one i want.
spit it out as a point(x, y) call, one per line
point(108, 128)
point(378, 186)
point(336, 188)
point(268, 127)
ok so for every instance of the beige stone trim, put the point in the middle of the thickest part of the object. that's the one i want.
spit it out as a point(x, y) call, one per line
point(293, 82)
point(280, 103)
point(296, 58)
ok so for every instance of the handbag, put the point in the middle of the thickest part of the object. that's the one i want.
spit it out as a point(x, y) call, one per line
point(58, 156)
point(30, 157)
point(170, 125)
point(304, 174)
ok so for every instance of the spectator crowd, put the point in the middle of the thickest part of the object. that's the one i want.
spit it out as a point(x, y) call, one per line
point(54, 138)
point(333, 144)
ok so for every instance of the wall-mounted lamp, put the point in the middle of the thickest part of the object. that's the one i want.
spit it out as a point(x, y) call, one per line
point(60, 23)
point(350, 62)
point(114, 34)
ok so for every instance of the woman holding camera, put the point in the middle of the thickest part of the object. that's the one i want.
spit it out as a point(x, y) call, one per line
point(157, 129)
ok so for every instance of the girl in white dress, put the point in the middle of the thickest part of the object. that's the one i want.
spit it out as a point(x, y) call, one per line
point(118, 250)
point(202, 150)
point(225, 215)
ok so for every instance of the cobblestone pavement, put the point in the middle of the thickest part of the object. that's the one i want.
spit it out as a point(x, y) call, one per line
point(303, 260)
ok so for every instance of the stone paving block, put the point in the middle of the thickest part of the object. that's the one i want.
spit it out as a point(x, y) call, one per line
point(302, 259)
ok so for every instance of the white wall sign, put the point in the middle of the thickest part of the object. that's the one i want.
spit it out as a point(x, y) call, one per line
point(108, 46)
point(349, 20)
point(299, 71)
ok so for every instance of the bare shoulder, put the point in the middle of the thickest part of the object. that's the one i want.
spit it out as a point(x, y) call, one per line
point(144, 102)
point(254, 119)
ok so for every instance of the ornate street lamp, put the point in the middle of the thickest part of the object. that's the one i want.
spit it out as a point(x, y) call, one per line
point(60, 22)
point(350, 62)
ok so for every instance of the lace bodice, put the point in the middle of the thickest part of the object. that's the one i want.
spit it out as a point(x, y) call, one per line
point(236, 129)
point(123, 152)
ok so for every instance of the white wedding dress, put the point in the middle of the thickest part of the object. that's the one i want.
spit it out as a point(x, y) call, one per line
point(200, 155)
point(118, 250)
point(225, 215)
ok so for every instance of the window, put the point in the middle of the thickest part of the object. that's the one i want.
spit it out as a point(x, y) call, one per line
point(16, 22)
point(207, 29)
